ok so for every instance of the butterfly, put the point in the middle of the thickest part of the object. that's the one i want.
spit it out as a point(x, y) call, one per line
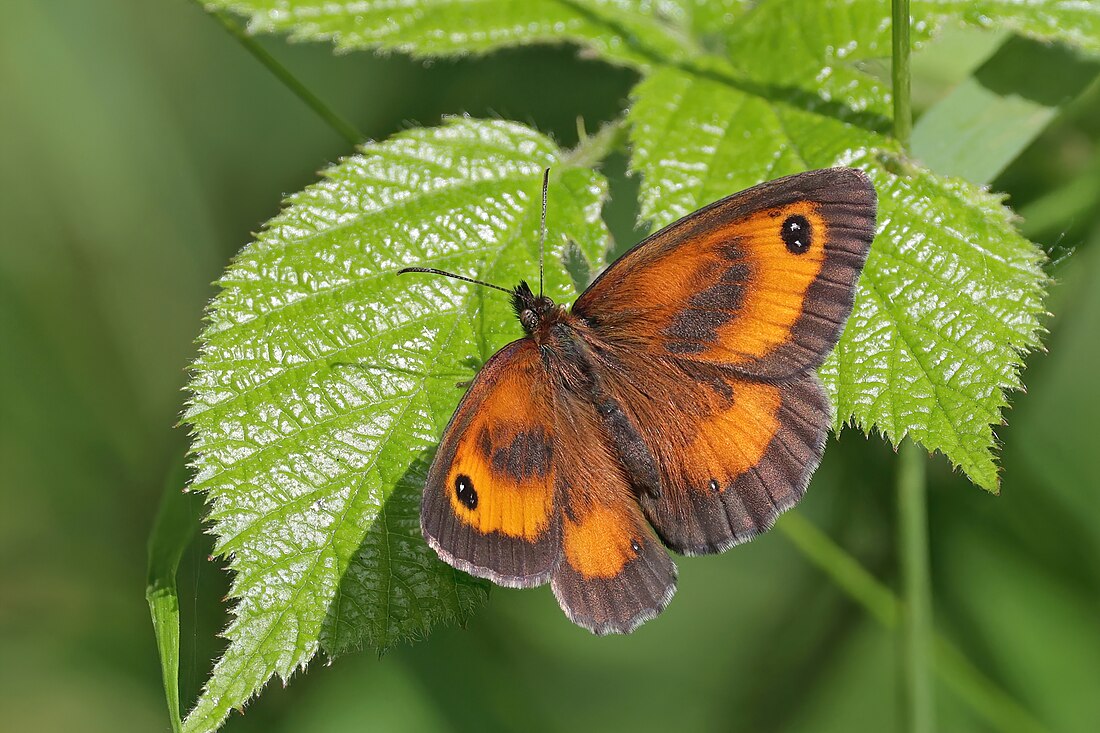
point(675, 405)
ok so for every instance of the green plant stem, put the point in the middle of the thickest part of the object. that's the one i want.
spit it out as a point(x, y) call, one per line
point(903, 112)
point(841, 568)
point(176, 524)
point(918, 703)
point(333, 119)
point(951, 666)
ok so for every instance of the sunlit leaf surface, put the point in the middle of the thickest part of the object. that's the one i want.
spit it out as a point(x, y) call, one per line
point(735, 93)
point(626, 31)
point(325, 380)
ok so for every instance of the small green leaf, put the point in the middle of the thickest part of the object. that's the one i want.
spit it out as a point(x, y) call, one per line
point(1072, 22)
point(822, 43)
point(325, 380)
point(990, 117)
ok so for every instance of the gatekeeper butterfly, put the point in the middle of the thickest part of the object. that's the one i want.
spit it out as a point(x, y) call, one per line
point(675, 404)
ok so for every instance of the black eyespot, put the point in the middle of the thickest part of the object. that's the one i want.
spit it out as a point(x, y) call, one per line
point(635, 546)
point(464, 490)
point(796, 234)
point(714, 485)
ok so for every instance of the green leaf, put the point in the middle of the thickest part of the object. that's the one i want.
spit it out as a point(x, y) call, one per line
point(1073, 22)
point(626, 31)
point(820, 44)
point(325, 380)
point(990, 117)
point(175, 526)
point(823, 43)
point(696, 137)
point(643, 32)
point(950, 295)
point(947, 304)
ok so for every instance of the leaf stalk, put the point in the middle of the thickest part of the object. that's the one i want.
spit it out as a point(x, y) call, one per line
point(903, 111)
point(918, 702)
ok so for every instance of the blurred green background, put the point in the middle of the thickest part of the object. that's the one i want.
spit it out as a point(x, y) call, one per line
point(139, 147)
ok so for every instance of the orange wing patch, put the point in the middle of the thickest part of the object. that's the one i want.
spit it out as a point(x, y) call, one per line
point(733, 440)
point(614, 573)
point(600, 543)
point(746, 295)
point(740, 466)
point(503, 475)
point(779, 277)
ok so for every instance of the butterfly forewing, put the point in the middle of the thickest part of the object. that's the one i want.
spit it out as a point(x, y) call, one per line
point(489, 506)
point(761, 281)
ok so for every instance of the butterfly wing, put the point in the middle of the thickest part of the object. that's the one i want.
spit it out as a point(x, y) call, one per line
point(761, 281)
point(525, 488)
point(703, 340)
point(488, 505)
point(750, 459)
point(708, 334)
point(728, 454)
point(614, 573)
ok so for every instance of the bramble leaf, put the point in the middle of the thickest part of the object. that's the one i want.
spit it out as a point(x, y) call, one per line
point(948, 304)
point(325, 380)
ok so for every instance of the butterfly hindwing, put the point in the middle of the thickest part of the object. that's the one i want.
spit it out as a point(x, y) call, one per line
point(724, 455)
point(489, 500)
point(761, 281)
point(749, 459)
point(613, 573)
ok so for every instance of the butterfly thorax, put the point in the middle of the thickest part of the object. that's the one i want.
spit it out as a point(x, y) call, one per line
point(537, 313)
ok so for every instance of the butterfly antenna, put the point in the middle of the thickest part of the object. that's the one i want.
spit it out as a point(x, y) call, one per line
point(542, 227)
point(433, 271)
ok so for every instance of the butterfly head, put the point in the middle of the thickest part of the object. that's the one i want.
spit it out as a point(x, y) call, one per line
point(533, 311)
